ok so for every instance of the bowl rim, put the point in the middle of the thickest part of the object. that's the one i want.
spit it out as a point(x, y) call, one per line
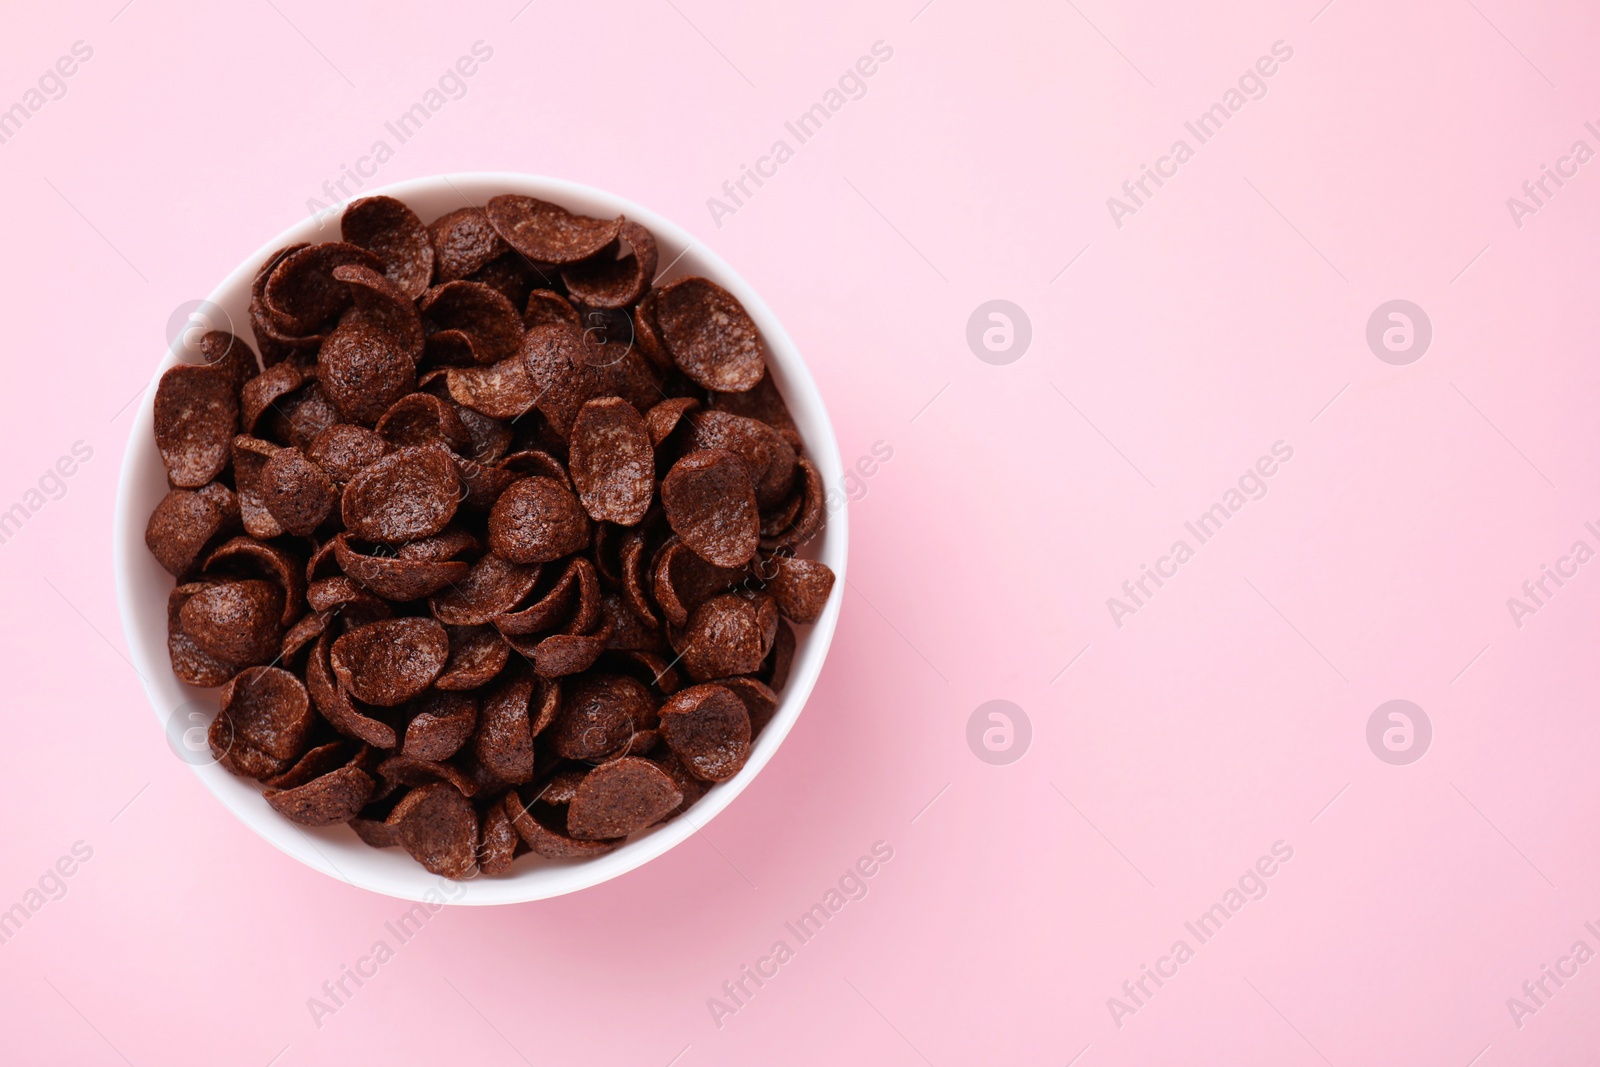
point(546, 879)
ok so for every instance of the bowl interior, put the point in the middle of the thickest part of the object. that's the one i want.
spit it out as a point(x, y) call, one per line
point(183, 711)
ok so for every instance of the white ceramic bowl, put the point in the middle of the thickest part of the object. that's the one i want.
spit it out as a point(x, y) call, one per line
point(183, 711)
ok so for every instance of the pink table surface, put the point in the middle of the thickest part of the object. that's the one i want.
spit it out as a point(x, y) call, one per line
point(1172, 345)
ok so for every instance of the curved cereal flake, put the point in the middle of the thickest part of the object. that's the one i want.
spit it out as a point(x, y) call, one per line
point(775, 521)
point(562, 654)
point(503, 744)
point(610, 279)
point(449, 543)
point(776, 670)
point(619, 798)
point(191, 663)
point(604, 551)
point(392, 232)
point(554, 605)
point(311, 626)
point(297, 492)
point(196, 417)
point(811, 514)
point(335, 797)
point(545, 306)
point(477, 656)
point(335, 706)
point(546, 704)
point(760, 702)
point(763, 403)
point(390, 661)
point(547, 841)
point(354, 605)
point(767, 456)
point(344, 450)
point(276, 345)
point(489, 323)
point(364, 369)
point(238, 756)
point(549, 233)
point(375, 833)
point(647, 332)
point(567, 371)
point(663, 418)
point(729, 634)
point(612, 461)
point(444, 724)
point(537, 520)
point(229, 356)
point(599, 716)
point(409, 770)
point(463, 241)
point(497, 843)
point(379, 303)
point(266, 389)
point(410, 493)
point(711, 504)
point(586, 614)
point(314, 764)
point(708, 728)
point(396, 578)
point(438, 826)
point(709, 335)
point(270, 710)
point(302, 294)
point(631, 561)
point(503, 390)
point(236, 622)
point(249, 558)
point(801, 587)
point(493, 586)
point(681, 580)
point(186, 521)
point(422, 418)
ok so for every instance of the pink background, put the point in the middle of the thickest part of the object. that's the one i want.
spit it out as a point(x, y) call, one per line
point(1228, 714)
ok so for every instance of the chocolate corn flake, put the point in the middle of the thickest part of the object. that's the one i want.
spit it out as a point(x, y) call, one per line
point(708, 728)
point(801, 587)
point(302, 294)
point(544, 839)
point(478, 318)
point(711, 504)
point(549, 233)
point(619, 798)
point(390, 661)
point(463, 241)
point(709, 335)
point(613, 461)
point(391, 231)
point(537, 520)
point(196, 417)
point(438, 826)
point(611, 278)
point(410, 493)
